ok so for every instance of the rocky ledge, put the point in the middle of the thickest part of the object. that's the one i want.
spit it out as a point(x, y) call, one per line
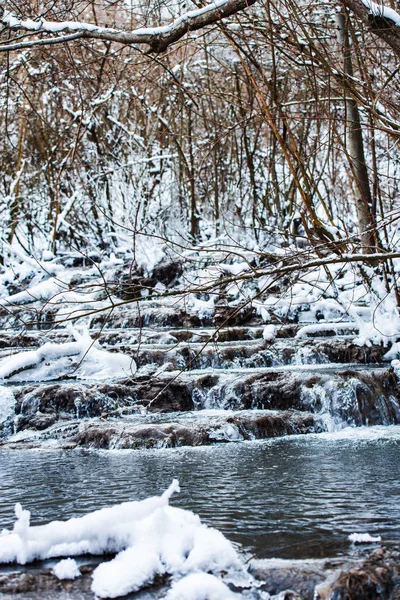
point(260, 403)
point(375, 577)
point(154, 431)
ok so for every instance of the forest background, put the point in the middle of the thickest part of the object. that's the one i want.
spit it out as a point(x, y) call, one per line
point(270, 135)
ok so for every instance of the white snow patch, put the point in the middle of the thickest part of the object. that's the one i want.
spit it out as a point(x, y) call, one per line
point(42, 291)
point(269, 333)
point(320, 328)
point(393, 354)
point(83, 359)
point(363, 538)
point(380, 10)
point(384, 323)
point(200, 586)
point(66, 569)
point(149, 538)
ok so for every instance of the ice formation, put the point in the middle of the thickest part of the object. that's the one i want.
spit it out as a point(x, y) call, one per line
point(7, 404)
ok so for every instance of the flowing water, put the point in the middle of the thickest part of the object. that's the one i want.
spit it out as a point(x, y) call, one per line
point(297, 497)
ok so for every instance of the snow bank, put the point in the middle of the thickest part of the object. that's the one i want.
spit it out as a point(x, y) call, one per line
point(82, 359)
point(384, 323)
point(269, 333)
point(149, 538)
point(42, 291)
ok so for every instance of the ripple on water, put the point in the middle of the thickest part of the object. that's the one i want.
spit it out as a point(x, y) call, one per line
point(291, 497)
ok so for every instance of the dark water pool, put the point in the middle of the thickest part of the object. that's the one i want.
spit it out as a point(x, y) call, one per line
point(292, 497)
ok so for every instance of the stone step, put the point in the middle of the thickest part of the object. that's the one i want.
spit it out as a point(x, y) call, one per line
point(162, 431)
point(339, 396)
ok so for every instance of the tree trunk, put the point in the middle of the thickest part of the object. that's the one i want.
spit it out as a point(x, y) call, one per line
point(355, 149)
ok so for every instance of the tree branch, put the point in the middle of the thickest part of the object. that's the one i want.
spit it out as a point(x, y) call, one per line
point(158, 38)
point(42, 42)
point(380, 20)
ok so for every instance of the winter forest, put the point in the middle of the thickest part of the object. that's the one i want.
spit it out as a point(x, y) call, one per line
point(199, 299)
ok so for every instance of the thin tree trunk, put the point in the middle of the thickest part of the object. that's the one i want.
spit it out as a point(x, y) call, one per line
point(355, 148)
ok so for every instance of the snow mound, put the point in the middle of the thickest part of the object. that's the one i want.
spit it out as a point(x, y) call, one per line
point(200, 586)
point(149, 538)
point(269, 333)
point(66, 569)
point(363, 538)
point(82, 359)
point(43, 291)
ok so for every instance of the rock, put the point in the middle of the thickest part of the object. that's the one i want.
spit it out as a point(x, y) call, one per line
point(33, 584)
point(38, 583)
point(374, 578)
point(355, 397)
point(377, 578)
point(130, 282)
point(143, 431)
point(167, 272)
point(41, 405)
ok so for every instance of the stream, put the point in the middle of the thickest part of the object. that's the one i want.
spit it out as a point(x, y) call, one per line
point(293, 497)
point(285, 446)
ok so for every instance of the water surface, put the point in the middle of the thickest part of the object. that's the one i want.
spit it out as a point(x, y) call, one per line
point(292, 497)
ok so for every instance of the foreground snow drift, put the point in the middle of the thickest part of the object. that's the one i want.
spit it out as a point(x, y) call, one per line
point(82, 359)
point(150, 538)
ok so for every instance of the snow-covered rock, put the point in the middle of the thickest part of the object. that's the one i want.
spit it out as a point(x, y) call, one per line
point(82, 359)
point(149, 538)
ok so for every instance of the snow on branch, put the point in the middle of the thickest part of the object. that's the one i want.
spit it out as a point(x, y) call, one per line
point(373, 18)
point(158, 38)
point(380, 10)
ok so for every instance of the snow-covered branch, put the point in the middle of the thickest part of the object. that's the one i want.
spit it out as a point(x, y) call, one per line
point(380, 19)
point(158, 38)
point(380, 10)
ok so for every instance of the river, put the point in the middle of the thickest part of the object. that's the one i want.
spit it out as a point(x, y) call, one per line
point(293, 497)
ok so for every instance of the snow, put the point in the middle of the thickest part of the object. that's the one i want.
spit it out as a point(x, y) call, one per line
point(383, 326)
point(48, 255)
point(42, 291)
point(320, 328)
point(66, 569)
point(364, 538)
point(269, 333)
point(149, 538)
point(200, 586)
point(54, 27)
point(380, 10)
point(82, 359)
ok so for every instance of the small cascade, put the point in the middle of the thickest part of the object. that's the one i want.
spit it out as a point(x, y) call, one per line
point(300, 383)
point(350, 403)
point(7, 411)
